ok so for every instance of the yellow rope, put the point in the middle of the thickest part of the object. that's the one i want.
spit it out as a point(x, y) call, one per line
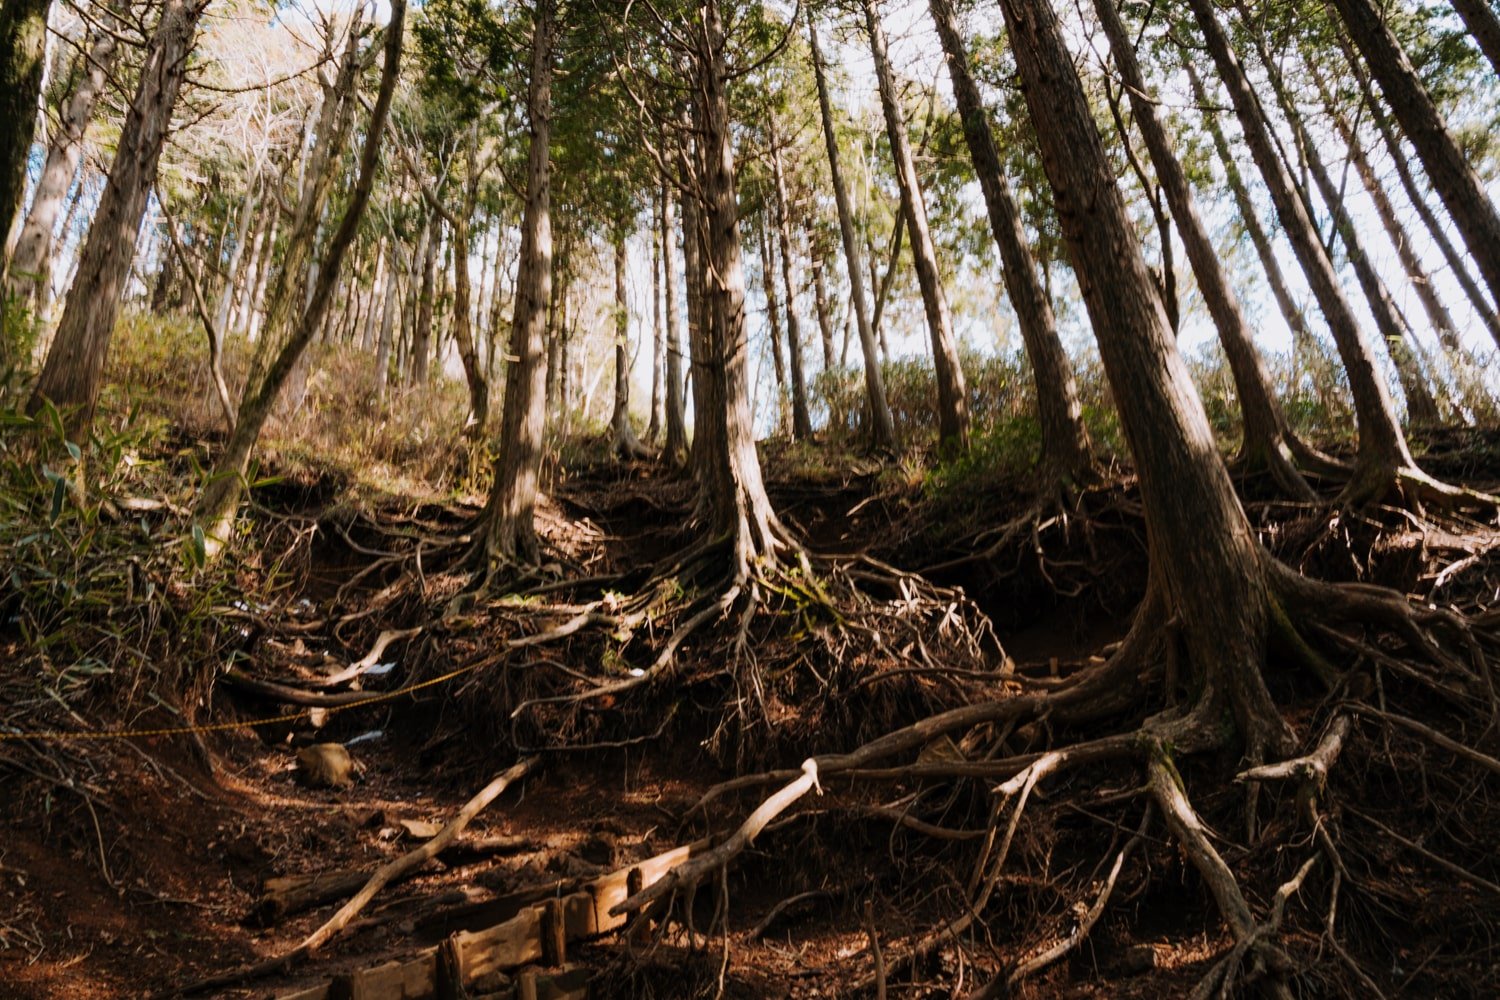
point(220, 727)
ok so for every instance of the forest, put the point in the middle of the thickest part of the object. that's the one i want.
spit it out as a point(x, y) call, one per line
point(749, 498)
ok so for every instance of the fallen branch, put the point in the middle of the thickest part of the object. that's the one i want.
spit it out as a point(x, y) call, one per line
point(382, 877)
point(691, 872)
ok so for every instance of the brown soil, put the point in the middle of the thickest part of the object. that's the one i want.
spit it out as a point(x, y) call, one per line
point(144, 879)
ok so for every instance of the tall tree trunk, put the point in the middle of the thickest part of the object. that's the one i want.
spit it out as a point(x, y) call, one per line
point(676, 417)
point(626, 444)
point(1203, 552)
point(242, 236)
point(801, 419)
point(952, 401)
point(1266, 437)
point(882, 424)
point(1383, 453)
point(388, 317)
point(1452, 177)
point(734, 493)
point(28, 266)
point(377, 294)
point(1065, 448)
point(1422, 408)
point(773, 320)
point(23, 55)
point(658, 347)
point(1437, 313)
point(74, 370)
point(1479, 17)
point(511, 533)
point(463, 332)
point(421, 339)
point(1296, 320)
point(1459, 266)
point(216, 508)
point(820, 302)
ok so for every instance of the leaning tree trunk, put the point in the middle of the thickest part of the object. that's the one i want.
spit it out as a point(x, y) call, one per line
point(1203, 552)
point(733, 491)
point(216, 508)
point(676, 416)
point(510, 535)
point(1479, 17)
point(952, 401)
point(1266, 437)
point(1437, 312)
point(882, 424)
point(23, 54)
point(1422, 408)
point(801, 420)
point(74, 370)
point(626, 444)
point(28, 265)
point(1383, 455)
point(1065, 449)
point(1483, 306)
point(1453, 178)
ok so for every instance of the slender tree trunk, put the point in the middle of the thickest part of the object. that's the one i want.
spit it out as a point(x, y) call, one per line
point(1483, 307)
point(511, 535)
point(23, 54)
point(388, 317)
point(1383, 451)
point(1265, 432)
point(28, 267)
point(463, 334)
point(882, 425)
point(377, 282)
point(421, 340)
point(820, 302)
point(735, 494)
point(773, 320)
point(1203, 551)
point(1065, 448)
point(801, 419)
point(1452, 177)
point(952, 401)
point(242, 235)
point(1479, 17)
point(74, 370)
point(658, 347)
point(216, 508)
point(676, 417)
point(626, 444)
point(1296, 320)
point(1422, 408)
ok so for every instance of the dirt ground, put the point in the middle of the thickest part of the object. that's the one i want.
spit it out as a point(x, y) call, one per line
point(147, 875)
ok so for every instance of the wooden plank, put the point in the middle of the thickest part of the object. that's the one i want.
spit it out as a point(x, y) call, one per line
point(514, 943)
point(411, 979)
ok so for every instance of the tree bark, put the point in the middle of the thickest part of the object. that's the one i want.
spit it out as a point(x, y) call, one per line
point(882, 424)
point(1452, 177)
point(801, 419)
point(1266, 437)
point(1382, 447)
point(217, 506)
point(676, 417)
point(734, 494)
point(773, 320)
point(1483, 307)
point(1065, 449)
point(1437, 313)
point(421, 338)
point(1479, 17)
point(29, 269)
point(658, 347)
point(626, 444)
point(23, 54)
point(820, 302)
point(388, 317)
point(1203, 552)
point(73, 373)
point(952, 401)
point(511, 534)
point(1422, 408)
